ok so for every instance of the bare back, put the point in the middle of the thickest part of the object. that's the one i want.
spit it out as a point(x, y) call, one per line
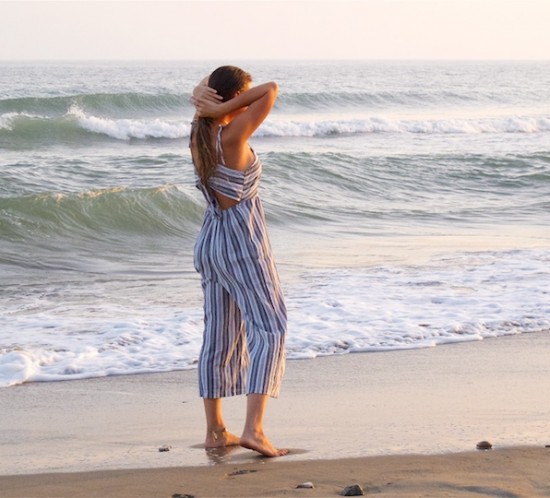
point(235, 156)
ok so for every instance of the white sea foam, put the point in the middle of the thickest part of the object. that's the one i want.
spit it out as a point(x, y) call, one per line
point(144, 128)
point(125, 129)
point(512, 124)
point(465, 298)
point(6, 120)
point(9, 119)
point(122, 341)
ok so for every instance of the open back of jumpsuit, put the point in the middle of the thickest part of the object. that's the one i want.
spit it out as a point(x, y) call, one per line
point(244, 310)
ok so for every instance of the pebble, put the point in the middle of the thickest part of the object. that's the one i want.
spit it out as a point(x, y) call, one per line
point(179, 495)
point(165, 447)
point(305, 485)
point(353, 490)
point(484, 445)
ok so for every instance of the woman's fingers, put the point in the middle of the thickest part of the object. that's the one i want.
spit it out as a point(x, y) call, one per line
point(206, 93)
point(213, 94)
point(206, 100)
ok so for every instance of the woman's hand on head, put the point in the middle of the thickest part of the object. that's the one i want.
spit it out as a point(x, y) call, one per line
point(207, 102)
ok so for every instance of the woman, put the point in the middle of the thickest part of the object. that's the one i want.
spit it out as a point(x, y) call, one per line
point(244, 311)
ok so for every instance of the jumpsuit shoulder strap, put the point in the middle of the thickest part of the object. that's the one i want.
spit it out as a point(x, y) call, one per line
point(219, 149)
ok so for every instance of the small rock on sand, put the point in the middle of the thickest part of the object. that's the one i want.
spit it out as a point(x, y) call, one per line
point(165, 447)
point(305, 485)
point(353, 490)
point(484, 445)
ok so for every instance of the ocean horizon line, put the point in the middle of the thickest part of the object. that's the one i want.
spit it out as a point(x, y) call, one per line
point(281, 60)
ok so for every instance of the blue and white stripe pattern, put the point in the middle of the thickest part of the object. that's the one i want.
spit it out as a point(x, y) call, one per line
point(244, 310)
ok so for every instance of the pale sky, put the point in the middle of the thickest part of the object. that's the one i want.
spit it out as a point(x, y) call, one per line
point(275, 29)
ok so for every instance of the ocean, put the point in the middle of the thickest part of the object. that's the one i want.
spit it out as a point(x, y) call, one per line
point(408, 205)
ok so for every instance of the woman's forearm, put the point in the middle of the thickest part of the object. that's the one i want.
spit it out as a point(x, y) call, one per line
point(249, 97)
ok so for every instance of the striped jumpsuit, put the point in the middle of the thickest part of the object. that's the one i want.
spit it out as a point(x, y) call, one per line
point(244, 310)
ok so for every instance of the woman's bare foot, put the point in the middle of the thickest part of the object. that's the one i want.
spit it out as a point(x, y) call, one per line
point(259, 442)
point(220, 438)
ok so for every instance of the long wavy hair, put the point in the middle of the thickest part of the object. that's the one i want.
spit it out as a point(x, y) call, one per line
point(227, 81)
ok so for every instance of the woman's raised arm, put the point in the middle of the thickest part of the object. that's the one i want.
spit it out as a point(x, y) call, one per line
point(257, 102)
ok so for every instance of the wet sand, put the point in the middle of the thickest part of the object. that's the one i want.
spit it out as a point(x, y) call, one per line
point(515, 472)
point(404, 417)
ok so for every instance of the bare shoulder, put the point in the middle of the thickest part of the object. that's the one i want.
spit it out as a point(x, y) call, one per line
point(237, 153)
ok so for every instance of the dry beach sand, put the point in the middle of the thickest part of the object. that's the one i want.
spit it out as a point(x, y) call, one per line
point(399, 424)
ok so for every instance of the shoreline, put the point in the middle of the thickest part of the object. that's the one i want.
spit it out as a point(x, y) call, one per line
point(413, 412)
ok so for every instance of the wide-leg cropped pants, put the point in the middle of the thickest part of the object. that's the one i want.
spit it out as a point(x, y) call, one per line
point(244, 311)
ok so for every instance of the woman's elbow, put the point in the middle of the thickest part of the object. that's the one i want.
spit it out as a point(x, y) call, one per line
point(274, 88)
